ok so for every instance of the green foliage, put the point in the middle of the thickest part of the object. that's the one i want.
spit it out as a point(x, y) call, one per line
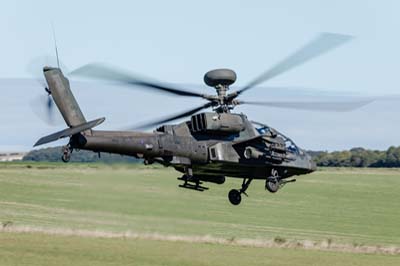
point(358, 157)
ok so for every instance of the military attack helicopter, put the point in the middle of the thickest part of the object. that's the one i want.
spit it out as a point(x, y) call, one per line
point(209, 146)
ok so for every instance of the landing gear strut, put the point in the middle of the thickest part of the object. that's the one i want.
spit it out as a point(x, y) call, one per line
point(235, 196)
point(66, 156)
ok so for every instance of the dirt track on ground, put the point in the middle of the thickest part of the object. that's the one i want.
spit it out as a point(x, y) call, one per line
point(260, 243)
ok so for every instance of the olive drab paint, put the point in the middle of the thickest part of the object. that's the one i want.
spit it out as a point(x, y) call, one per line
point(60, 90)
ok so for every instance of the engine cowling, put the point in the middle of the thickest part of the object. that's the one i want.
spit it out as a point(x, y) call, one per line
point(217, 123)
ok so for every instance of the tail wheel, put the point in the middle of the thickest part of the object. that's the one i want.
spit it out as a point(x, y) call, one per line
point(272, 183)
point(66, 157)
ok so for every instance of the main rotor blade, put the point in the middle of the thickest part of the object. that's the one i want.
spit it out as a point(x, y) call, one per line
point(174, 117)
point(106, 72)
point(313, 106)
point(323, 43)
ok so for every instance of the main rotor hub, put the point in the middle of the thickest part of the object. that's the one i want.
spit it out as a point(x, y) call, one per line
point(220, 77)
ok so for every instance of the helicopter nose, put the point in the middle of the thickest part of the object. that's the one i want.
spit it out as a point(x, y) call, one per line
point(313, 165)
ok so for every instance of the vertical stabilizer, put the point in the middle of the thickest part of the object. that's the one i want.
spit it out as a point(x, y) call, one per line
point(60, 90)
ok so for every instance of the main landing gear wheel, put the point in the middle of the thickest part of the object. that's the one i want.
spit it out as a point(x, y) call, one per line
point(234, 197)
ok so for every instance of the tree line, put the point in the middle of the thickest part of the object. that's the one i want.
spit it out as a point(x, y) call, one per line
point(54, 155)
point(356, 157)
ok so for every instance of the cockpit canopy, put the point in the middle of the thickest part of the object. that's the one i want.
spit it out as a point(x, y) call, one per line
point(263, 129)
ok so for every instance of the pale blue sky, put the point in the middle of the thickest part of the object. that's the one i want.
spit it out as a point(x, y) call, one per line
point(178, 41)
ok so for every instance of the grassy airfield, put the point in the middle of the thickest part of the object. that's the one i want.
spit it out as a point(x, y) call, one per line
point(79, 214)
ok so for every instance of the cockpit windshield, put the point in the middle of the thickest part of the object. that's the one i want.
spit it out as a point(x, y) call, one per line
point(263, 129)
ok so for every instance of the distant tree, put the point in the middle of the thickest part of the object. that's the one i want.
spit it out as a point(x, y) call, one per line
point(392, 157)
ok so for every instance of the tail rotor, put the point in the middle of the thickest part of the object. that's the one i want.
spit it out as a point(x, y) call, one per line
point(44, 105)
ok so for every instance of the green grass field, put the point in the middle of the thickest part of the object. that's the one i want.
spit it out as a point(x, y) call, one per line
point(345, 207)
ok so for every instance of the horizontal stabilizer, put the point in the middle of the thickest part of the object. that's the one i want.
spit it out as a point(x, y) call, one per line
point(69, 132)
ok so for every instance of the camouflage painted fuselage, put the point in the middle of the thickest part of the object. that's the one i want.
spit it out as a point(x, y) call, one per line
point(207, 154)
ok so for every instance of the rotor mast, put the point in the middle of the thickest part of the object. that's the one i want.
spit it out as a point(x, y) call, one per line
point(221, 79)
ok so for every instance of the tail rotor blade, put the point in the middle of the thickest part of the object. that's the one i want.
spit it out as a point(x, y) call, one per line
point(43, 107)
point(49, 104)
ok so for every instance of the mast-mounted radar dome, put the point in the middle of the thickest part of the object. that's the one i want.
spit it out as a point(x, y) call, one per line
point(224, 77)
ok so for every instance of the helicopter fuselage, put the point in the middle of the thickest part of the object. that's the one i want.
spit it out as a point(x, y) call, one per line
point(240, 152)
point(208, 148)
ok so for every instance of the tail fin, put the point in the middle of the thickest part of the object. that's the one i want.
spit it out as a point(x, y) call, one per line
point(58, 87)
point(61, 93)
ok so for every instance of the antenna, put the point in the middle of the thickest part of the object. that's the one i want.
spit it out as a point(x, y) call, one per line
point(55, 44)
